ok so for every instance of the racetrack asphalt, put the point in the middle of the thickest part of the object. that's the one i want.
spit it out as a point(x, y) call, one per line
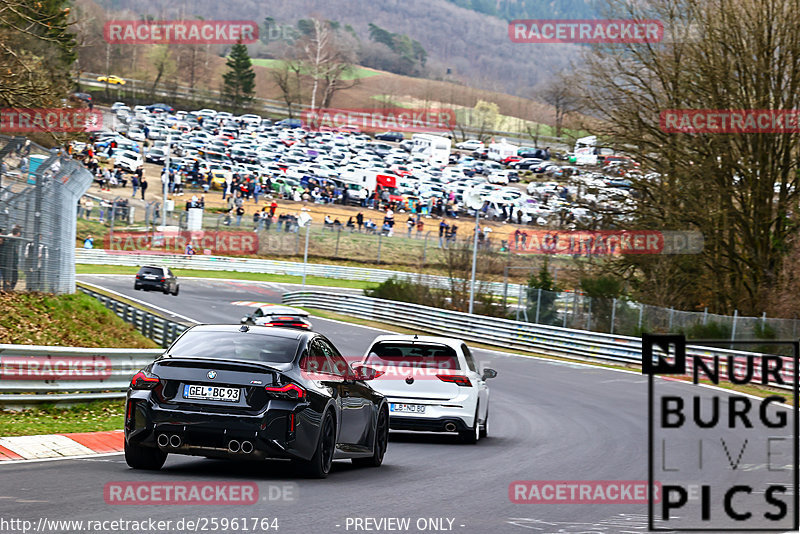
point(548, 421)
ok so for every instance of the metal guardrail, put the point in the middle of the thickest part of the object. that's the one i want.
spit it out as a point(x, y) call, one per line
point(253, 265)
point(541, 339)
point(32, 374)
point(161, 330)
point(116, 367)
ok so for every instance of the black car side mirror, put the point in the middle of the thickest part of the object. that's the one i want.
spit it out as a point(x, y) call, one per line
point(488, 373)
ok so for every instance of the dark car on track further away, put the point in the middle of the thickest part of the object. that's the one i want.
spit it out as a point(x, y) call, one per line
point(255, 393)
point(157, 278)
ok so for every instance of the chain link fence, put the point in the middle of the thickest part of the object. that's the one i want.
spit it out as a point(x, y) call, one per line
point(39, 192)
point(624, 317)
point(282, 236)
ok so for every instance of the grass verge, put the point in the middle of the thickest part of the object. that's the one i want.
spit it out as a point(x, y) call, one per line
point(49, 419)
point(75, 320)
point(256, 277)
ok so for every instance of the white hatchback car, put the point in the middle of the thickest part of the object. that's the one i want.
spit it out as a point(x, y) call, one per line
point(432, 384)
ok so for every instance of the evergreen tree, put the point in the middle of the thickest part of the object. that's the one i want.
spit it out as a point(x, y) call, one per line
point(239, 82)
point(542, 282)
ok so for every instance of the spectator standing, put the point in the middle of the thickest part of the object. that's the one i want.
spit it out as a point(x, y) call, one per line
point(88, 206)
point(10, 259)
point(359, 220)
point(453, 232)
point(442, 230)
point(135, 184)
point(143, 185)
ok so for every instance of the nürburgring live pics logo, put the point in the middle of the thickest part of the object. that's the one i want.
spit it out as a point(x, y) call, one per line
point(725, 460)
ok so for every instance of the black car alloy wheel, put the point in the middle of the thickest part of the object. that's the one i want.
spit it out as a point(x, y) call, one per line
point(320, 464)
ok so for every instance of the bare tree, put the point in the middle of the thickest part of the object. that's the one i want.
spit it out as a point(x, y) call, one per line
point(326, 60)
point(287, 77)
point(560, 94)
point(740, 190)
point(161, 58)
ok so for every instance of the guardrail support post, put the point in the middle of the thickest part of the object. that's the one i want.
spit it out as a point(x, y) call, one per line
point(164, 334)
point(338, 235)
point(613, 313)
point(733, 329)
point(538, 304)
point(505, 291)
point(641, 312)
point(671, 311)
point(589, 316)
point(379, 246)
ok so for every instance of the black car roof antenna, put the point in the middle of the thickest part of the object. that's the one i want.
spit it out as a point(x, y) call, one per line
point(244, 328)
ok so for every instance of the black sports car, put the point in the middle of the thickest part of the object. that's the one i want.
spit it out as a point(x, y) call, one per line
point(254, 392)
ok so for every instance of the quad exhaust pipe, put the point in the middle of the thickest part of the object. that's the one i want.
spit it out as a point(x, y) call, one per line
point(245, 447)
point(173, 441)
point(450, 426)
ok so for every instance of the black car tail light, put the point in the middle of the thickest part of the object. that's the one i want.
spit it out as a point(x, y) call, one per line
point(459, 380)
point(144, 380)
point(287, 391)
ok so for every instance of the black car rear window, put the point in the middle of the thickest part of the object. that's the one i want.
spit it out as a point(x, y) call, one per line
point(417, 355)
point(151, 270)
point(235, 346)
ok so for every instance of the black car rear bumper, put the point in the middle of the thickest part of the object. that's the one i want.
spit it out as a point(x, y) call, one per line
point(149, 284)
point(264, 435)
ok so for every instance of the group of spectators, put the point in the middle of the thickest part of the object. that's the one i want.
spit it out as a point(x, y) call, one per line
point(18, 253)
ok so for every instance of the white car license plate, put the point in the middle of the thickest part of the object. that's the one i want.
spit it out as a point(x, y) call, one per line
point(214, 393)
point(407, 408)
